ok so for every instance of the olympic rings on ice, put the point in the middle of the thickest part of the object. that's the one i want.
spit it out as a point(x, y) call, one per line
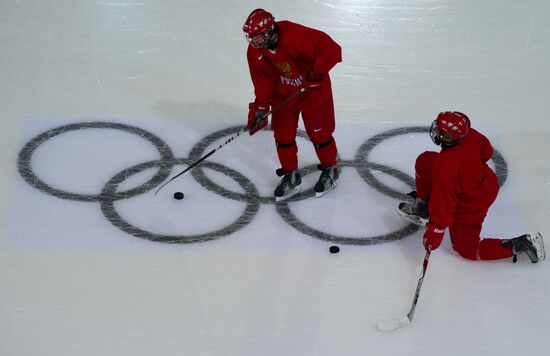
point(251, 198)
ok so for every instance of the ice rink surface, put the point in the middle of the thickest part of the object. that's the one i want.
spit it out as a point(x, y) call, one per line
point(110, 98)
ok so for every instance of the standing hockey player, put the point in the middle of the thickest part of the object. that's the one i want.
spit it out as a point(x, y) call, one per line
point(283, 58)
point(455, 188)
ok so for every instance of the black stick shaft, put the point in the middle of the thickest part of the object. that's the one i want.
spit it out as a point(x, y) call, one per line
point(420, 280)
point(244, 129)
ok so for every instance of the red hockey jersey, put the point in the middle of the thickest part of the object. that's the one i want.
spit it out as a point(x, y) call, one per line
point(463, 185)
point(278, 74)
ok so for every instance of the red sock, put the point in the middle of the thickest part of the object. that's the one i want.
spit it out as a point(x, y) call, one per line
point(491, 249)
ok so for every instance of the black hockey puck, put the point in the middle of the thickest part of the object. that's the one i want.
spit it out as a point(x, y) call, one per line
point(334, 249)
point(178, 195)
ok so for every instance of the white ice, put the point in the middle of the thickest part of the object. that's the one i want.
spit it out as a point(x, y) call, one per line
point(71, 283)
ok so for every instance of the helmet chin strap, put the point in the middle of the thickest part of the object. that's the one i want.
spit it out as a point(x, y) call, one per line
point(438, 141)
point(272, 38)
point(272, 42)
point(447, 145)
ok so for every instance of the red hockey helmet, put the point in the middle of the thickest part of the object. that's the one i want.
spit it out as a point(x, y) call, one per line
point(259, 28)
point(449, 128)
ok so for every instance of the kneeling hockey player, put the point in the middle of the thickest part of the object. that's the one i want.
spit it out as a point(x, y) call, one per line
point(455, 188)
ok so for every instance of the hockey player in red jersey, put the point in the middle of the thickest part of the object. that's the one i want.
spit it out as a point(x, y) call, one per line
point(454, 190)
point(283, 58)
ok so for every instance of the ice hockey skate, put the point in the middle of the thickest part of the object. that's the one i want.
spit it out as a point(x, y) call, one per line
point(289, 186)
point(530, 245)
point(414, 210)
point(327, 180)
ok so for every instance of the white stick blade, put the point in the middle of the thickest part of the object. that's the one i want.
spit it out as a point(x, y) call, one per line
point(389, 325)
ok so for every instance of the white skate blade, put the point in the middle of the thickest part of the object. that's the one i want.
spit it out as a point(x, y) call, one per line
point(296, 190)
point(539, 244)
point(392, 324)
point(417, 220)
point(320, 194)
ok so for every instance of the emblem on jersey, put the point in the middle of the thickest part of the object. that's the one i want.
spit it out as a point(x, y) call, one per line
point(286, 77)
point(285, 68)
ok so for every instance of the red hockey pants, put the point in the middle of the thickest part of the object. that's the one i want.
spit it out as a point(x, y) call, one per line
point(319, 123)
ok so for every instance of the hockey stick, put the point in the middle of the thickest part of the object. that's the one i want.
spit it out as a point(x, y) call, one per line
point(243, 130)
point(392, 324)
